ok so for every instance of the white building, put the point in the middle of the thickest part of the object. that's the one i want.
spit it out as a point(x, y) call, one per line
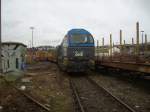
point(13, 56)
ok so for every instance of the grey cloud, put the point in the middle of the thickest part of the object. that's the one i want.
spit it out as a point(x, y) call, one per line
point(53, 18)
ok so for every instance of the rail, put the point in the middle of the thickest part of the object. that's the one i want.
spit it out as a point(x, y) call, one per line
point(27, 96)
point(117, 99)
point(76, 96)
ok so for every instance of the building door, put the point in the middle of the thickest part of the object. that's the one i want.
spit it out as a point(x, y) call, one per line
point(8, 64)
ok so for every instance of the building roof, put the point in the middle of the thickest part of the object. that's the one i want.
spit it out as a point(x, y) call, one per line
point(13, 43)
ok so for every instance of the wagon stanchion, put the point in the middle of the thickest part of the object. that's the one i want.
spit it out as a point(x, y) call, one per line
point(137, 42)
point(145, 43)
point(133, 52)
point(142, 44)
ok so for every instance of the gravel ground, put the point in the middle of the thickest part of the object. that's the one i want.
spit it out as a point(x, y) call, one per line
point(44, 81)
point(94, 99)
point(12, 101)
point(130, 92)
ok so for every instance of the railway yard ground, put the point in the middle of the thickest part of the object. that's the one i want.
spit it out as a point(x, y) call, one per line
point(42, 82)
point(132, 91)
point(55, 91)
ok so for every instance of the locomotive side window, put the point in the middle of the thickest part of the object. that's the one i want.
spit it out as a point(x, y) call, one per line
point(91, 40)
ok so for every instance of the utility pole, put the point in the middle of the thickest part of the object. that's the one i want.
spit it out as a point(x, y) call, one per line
point(0, 44)
point(132, 41)
point(142, 45)
point(113, 45)
point(103, 41)
point(103, 45)
point(120, 41)
point(32, 51)
point(97, 43)
point(137, 42)
point(146, 43)
point(133, 46)
point(137, 39)
point(32, 28)
point(97, 49)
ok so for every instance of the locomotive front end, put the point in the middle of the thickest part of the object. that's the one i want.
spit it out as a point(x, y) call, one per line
point(80, 52)
point(76, 52)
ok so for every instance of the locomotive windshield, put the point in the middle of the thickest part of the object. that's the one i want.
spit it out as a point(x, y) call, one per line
point(81, 39)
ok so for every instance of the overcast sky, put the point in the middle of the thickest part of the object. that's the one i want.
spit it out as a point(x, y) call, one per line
point(53, 18)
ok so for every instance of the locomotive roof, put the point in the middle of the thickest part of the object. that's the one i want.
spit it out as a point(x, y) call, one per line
point(78, 31)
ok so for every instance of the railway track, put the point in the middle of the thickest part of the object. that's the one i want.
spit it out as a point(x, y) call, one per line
point(91, 97)
point(28, 97)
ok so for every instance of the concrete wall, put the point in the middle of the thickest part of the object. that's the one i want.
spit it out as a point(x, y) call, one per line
point(13, 56)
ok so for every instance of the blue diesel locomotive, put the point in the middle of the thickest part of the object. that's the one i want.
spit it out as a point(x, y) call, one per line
point(76, 52)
